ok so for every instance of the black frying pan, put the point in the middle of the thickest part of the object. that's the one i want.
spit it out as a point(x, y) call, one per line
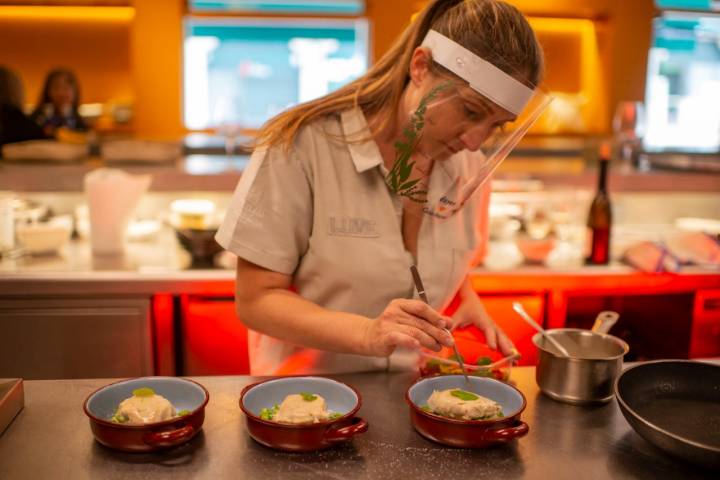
point(675, 405)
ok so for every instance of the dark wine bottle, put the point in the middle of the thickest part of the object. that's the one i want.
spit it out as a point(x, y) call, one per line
point(600, 216)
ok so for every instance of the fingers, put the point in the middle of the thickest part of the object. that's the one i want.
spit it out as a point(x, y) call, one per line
point(422, 310)
point(497, 340)
point(437, 335)
point(425, 339)
point(397, 338)
point(426, 325)
point(506, 345)
point(490, 335)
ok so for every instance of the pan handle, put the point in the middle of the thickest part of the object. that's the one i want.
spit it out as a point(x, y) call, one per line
point(505, 434)
point(358, 425)
point(605, 321)
point(170, 437)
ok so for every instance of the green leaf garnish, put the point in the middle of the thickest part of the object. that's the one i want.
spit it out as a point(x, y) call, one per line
point(182, 413)
point(457, 358)
point(484, 361)
point(463, 395)
point(335, 415)
point(144, 392)
point(308, 397)
point(269, 413)
point(118, 418)
point(425, 408)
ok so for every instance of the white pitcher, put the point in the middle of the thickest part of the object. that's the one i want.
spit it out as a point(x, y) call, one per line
point(112, 197)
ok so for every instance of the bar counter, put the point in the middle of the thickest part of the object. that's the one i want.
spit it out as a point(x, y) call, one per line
point(220, 173)
point(51, 438)
point(162, 266)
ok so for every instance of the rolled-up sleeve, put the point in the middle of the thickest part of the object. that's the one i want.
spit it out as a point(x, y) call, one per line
point(269, 219)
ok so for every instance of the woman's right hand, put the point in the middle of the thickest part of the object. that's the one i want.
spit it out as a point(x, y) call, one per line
point(407, 323)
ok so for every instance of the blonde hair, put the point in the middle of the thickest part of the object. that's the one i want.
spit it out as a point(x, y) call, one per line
point(492, 29)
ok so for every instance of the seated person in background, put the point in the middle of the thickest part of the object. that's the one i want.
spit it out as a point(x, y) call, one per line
point(14, 125)
point(58, 104)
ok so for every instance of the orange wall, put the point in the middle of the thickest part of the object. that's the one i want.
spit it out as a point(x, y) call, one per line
point(96, 48)
point(140, 60)
point(156, 58)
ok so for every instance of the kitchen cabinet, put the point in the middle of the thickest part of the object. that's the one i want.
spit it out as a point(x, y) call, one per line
point(75, 337)
point(214, 341)
point(705, 334)
point(655, 326)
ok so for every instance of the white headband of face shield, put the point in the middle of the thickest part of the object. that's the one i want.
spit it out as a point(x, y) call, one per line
point(483, 77)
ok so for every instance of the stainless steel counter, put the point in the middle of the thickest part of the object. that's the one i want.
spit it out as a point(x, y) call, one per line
point(162, 265)
point(51, 438)
point(220, 173)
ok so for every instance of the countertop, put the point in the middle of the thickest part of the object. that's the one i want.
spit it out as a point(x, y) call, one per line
point(220, 173)
point(161, 265)
point(51, 438)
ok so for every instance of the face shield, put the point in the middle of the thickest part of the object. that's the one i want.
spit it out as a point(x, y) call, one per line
point(460, 131)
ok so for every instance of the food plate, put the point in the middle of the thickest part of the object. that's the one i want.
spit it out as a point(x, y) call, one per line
point(183, 394)
point(467, 433)
point(340, 398)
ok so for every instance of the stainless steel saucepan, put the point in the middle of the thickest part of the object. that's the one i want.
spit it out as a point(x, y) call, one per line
point(587, 375)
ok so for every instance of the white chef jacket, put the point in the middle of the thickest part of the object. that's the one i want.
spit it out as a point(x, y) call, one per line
point(323, 213)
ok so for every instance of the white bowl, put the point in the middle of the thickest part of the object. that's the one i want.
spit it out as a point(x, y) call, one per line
point(45, 237)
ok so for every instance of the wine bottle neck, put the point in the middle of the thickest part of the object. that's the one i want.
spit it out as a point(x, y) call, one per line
point(602, 175)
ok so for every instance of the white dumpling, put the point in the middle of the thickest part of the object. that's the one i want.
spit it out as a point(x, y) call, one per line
point(139, 410)
point(463, 405)
point(298, 408)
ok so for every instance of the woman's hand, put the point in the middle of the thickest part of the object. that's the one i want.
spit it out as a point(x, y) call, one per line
point(406, 323)
point(472, 312)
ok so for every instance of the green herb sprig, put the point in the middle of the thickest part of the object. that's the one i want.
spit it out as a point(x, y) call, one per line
point(463, 395)
point(398, 178)
point(143, 392)
point(269, 413)
point(308, 397)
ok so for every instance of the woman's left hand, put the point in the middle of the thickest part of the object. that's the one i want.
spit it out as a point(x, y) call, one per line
point(472, 312)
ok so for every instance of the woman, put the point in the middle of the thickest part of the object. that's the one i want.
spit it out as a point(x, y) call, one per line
point(14, 125)
point(324, 233)
point(59, 102)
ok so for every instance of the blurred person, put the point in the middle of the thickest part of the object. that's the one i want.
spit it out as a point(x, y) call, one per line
point(15, 126)
point(58, 104)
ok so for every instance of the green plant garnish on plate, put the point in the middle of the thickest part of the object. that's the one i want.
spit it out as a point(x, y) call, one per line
point(269, 413)
point(463, 395)
point(143, 392)
point(308, 397)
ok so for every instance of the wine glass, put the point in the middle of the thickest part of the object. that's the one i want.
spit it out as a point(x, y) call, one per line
point(628, 130)
point(228, 118)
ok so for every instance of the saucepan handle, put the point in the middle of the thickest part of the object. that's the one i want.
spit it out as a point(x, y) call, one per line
point(170, 437)
point(502, 434)
point(358, 425)
point(604, 321)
